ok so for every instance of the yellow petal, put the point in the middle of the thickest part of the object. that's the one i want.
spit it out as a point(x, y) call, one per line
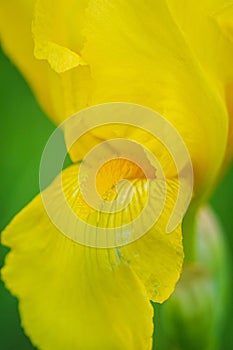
point(198, 22)
point(137, 53)
point(65, 58)
point(133, 52)
point(157, 257)
point(48, 44)
point(52, 90)
point(16, 39)
point(85, 297)
point(208, 29)
point(72, 296)
point(224, 19)
point(57, 33)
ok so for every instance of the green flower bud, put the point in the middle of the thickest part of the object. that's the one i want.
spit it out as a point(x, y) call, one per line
point(193, 317)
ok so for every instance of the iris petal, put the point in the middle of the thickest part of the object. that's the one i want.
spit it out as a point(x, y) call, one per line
point(74, 296)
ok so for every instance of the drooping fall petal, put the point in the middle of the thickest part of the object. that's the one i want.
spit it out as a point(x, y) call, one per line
point(71, 296)
point(79, 292)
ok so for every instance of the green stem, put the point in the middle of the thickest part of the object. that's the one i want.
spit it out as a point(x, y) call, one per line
point(189, 235)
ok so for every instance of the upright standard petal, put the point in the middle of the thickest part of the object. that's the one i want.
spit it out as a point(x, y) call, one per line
point(16, 39)
point(137, 53)
point(52, 90)
point(207, 27)
point(224, 19)
point(55, 46)
point(133, 52)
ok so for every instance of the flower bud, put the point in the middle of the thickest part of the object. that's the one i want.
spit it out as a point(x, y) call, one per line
point(193, 317)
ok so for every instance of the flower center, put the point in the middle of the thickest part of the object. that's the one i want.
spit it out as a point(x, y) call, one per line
point(113, 173)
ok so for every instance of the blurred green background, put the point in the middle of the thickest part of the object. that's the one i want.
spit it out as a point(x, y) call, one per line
point(24, 132)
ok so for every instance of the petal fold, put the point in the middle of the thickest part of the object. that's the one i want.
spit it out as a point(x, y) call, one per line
point(60, 58)
point(52, 43)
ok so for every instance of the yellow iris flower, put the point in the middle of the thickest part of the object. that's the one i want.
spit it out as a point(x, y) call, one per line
point(174, 57)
